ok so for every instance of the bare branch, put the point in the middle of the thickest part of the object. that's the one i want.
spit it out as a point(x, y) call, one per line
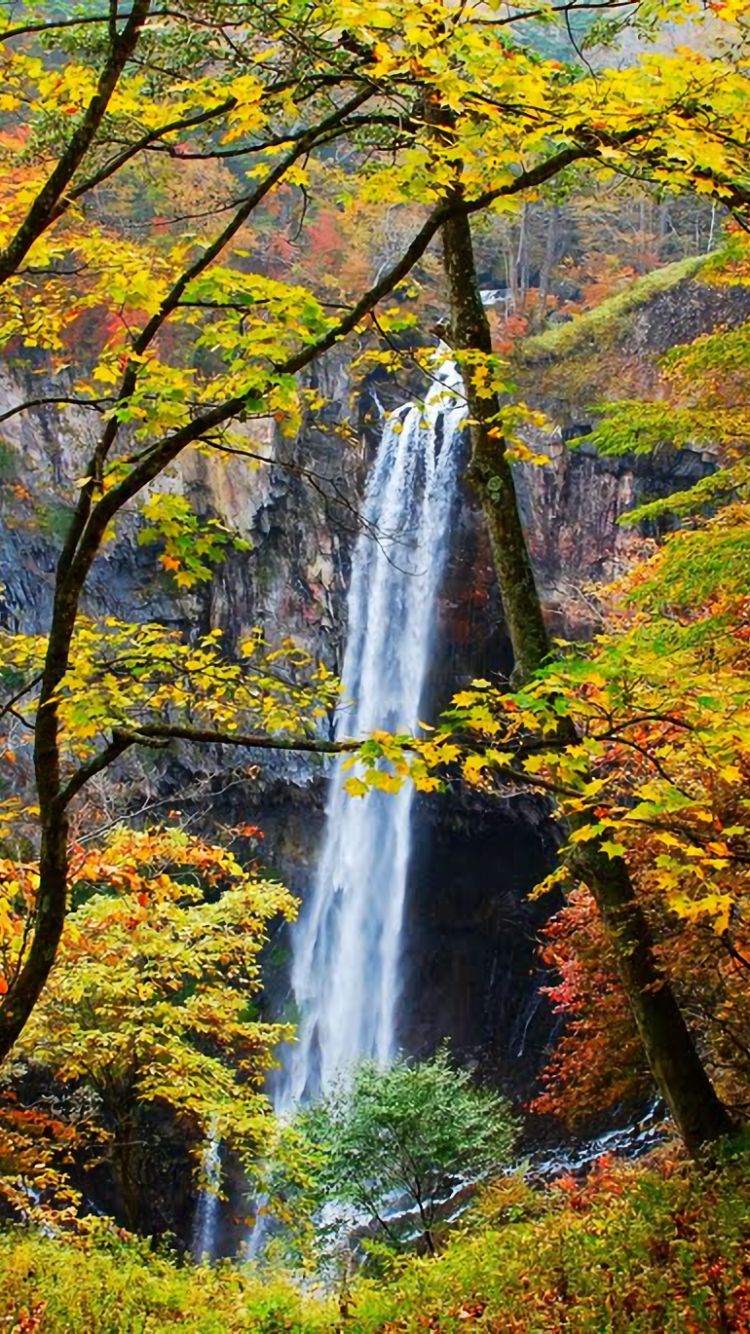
point(8, 706)
point(146, 141)
point(49, 400)
point(159, 735)
point(207, 736)
point(522, 15)
point(23, 29)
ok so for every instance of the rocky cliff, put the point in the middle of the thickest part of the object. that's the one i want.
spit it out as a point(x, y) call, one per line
point(470, 971)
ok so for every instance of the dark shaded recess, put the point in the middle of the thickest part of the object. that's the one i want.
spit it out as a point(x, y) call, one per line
point(162, 1187)
point(471, 639)
point(160, 1201)
point(471, 969)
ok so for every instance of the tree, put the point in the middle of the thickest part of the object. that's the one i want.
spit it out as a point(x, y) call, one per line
point(642, 738)
point(670, 1050)
point(150, 1005)
point(661, 705)
point(193, 342)
point(393, 1141)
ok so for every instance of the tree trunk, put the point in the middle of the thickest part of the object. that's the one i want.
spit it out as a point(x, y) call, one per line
point(48, 925)
point(52, 896)
point(671, 1053)
point(677, 1069)
point(548, 264)
point(489, 470)
point(126, 1163)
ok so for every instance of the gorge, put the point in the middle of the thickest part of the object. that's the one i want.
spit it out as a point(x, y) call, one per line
point(466, 935)
point(374, 667)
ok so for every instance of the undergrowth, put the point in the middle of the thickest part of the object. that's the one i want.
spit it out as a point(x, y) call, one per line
point(657, 1251)
point(662, 1249)
point(119, 1287)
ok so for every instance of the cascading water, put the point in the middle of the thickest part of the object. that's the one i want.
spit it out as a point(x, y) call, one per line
point(207, 1211)
point(345, 972)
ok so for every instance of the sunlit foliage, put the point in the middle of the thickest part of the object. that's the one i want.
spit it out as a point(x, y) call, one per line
point(152, 1002)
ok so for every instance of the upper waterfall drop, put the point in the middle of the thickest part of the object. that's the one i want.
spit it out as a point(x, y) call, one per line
point(346, 946)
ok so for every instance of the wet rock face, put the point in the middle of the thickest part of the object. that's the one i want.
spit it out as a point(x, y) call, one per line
point(470, 969)
point(296, 503)
point(571, 509)
point(300, 512)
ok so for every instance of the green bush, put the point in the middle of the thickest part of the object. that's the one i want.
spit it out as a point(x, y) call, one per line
point(54, 518)
point(395, 1140)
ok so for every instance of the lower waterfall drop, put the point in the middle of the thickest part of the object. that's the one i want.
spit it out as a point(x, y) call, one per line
point(347, 944)
point(207, 1211)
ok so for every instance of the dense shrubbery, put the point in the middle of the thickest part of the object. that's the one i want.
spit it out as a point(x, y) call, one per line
point(117, 1287)
point(661, 1250)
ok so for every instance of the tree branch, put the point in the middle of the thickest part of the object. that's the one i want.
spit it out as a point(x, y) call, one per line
point(146, 141)
point(23, 29)
point(523, 15)
point(120, 742)
point(97, 406)
point(43, 209)
point(8, 706)
point(159, 735)
point(353, 122)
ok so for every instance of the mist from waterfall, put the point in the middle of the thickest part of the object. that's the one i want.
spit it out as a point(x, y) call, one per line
point(347, 944)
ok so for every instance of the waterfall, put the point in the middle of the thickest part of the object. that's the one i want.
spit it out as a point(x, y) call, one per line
point(346, 946)
point(207, 1211)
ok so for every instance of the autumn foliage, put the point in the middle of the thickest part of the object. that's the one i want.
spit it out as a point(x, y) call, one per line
point(151, 1005)
point(198, 203)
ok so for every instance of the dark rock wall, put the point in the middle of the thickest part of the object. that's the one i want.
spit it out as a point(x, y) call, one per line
point(471, 973)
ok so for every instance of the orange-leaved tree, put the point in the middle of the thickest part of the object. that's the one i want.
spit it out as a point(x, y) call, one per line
point(150, 1006)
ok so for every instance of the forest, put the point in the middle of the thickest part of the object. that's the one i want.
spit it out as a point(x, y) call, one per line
point(374, 666)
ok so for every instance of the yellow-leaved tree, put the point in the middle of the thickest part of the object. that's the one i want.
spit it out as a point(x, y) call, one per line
point(150, 1006)
point(445, 111)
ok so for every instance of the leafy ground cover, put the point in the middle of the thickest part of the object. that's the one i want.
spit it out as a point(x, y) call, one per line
point(660, 1248)
point(630, 1249)
point(115, 1286)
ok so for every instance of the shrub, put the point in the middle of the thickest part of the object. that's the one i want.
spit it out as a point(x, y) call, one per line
point(395, 1140)
point(117, 1286)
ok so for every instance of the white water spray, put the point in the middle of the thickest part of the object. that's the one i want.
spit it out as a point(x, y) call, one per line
point(207, 1211)
point(347, 944)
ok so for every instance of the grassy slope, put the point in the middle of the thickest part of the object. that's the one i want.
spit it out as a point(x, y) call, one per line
point(574, 336)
